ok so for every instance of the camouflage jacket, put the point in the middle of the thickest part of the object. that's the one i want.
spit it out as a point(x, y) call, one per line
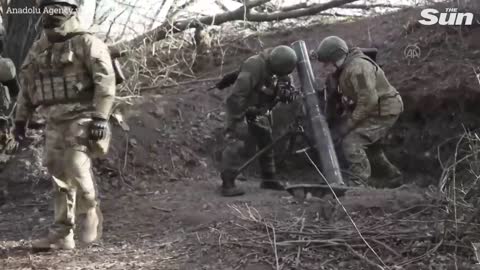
point(364, 83)
point(67, 80)
point(255, 86)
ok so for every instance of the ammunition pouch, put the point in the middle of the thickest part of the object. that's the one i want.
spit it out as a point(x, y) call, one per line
point(386, 97)
point(60, 89)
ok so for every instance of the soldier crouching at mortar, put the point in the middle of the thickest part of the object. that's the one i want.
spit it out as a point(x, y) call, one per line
point(376, 108)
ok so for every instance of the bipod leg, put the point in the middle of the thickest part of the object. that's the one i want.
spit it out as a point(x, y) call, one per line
point(290, 147)
point(261, 152)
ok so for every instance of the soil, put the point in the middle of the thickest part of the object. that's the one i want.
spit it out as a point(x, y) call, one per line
point(159, 183)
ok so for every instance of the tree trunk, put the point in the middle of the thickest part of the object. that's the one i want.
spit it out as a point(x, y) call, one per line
point(21, 30)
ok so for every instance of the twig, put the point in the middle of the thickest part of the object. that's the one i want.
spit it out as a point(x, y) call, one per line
point(107, 36)
point(477, 74)
point(363, 258)
point(178, 84)
point(345, 210)
point(387, 247)
point(429, 252)
point(454, 178)
point(125, 159)
point(275, 248)
point(171, 160)
point(299, 250)
point(162, 209)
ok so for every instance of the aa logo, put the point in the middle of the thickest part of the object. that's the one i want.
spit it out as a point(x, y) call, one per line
point(412, 51)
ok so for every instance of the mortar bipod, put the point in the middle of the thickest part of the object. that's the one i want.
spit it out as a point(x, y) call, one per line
point(293, 131)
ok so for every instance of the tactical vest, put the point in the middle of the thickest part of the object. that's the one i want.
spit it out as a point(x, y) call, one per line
point(267, 90)
point(59, 75)
point(389, 100)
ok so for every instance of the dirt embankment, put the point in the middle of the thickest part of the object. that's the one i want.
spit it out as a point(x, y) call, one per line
point(440, 87)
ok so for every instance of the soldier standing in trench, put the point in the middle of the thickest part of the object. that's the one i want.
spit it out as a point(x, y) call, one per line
point(376, 107)
point(69, 78)
point(8, 91)
point(262, 81)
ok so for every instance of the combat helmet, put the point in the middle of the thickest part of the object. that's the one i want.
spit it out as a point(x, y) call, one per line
point(282, 60)
point(331, 49)
point(44, 3)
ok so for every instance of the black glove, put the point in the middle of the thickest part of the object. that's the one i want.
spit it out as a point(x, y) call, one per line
point(98, 129)
point(252, 112)
point(20, 130)
point(285, 90)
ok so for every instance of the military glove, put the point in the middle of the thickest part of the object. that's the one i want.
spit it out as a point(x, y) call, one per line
point(20, 130)
point(252, 113)
point(286, 94)
point(98, 129)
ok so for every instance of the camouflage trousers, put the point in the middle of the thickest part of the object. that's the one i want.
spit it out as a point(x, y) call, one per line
point(67, 157)
point(234, 154)
point(362, 148)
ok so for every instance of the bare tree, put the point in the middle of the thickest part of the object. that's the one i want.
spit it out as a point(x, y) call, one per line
point(21, 29)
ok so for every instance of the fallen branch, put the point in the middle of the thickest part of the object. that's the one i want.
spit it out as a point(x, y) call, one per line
point(162, 86)
point(367, 7)
point(350, 6)
point(243, 13)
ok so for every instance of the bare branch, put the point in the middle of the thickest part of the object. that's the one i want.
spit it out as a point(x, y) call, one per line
point(312, 10)
point(179, 26)
point(132, 8)
point(367, 7)
point(221, 5)
point(107, 36)
point(242, 13)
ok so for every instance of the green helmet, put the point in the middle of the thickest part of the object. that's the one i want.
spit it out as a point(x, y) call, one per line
point(44, 3)
point(331, 49)
point(282, 60)
point(7, 69)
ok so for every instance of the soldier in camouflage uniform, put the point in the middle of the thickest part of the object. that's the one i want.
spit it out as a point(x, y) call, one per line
point(376, 107)
point(254, 94)
point(68, 78)
point(8, 89)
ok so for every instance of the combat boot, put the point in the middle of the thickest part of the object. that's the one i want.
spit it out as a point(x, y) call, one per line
point(54, 241)
point(228, 188)
point(269, 182)
point(389, 177)
point(91, 225)
point(394, 178)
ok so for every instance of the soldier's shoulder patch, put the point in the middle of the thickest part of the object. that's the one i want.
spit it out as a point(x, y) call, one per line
point(97, 48)
point(252, 65)
point(360, 78)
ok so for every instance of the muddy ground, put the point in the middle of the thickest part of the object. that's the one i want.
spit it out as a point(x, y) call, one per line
point(159, 182)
